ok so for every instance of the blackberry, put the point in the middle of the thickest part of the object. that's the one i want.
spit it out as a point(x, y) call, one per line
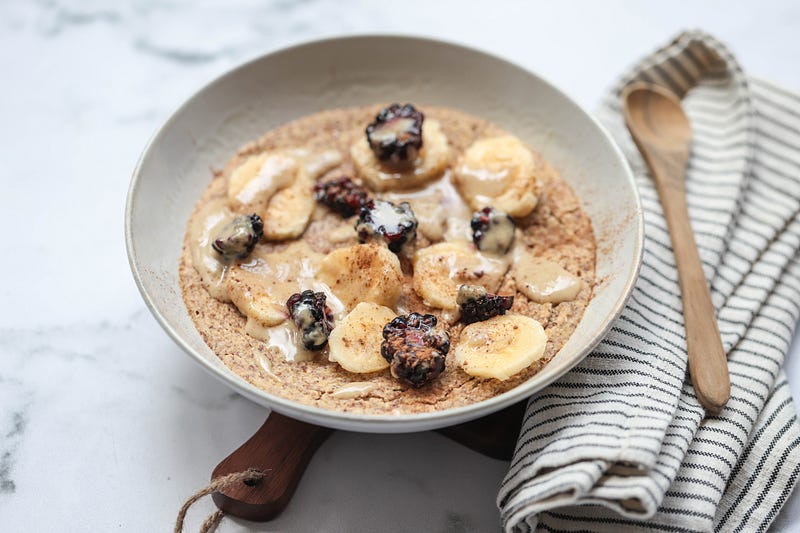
point(341, 195)
point(312, 317)
point(396, 224)
point(477, 304)
point(238, 238)
point(415, 350)
point(492, 230)
point(396, 134)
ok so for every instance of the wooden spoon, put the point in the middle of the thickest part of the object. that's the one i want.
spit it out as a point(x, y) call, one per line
point(663, 134)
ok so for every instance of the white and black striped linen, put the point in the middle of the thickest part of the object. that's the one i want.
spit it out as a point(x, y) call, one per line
point(620, 442)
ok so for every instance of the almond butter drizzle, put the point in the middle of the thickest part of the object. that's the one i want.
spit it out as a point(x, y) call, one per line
point(353, 390)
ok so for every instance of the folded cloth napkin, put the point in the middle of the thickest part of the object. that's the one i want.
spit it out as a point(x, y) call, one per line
point(621, 442)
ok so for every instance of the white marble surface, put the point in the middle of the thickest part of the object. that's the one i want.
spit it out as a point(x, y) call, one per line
point(105, 424)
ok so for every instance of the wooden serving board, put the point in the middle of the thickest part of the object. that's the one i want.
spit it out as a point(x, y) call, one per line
point(284, 446)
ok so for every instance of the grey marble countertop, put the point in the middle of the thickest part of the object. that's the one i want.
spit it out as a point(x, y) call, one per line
point(105, 424)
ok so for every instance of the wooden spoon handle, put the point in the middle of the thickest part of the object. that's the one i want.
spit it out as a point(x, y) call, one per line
point(708, 364)
point(281, 448)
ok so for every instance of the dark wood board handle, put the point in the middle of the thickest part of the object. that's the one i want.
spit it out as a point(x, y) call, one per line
point(281, 448)
point(494, 435)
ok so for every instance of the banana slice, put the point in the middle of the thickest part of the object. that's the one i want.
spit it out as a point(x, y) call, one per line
point(253, 183)
point(342, 234)
point(290, 209)
point(440, 269)
point(316, 163)
point(434, 156)
point(498, 172)
point(278, 186)
point(428, 209)
point(500, 347)
point(363, 273)
point(441, 212)
point(260, 287)
point(355, 342)
point(206, 261)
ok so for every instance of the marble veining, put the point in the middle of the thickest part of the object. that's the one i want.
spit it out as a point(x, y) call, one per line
point(62, 18)
point(93, 394)
point(6, 483)
point(182, 57)
point(13, 425)
point(19, 419)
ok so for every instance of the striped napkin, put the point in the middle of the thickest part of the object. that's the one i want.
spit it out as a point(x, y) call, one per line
point(621, 442)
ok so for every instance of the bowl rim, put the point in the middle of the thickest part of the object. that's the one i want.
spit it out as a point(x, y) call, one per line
point(377, 423)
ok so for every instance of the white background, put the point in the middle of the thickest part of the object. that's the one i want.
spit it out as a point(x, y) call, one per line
point(104, 423)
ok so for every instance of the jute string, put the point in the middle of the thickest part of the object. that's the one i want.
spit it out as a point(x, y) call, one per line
point(251, 475)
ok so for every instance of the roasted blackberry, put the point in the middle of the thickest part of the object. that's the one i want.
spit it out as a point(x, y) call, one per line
point(238, 238)
point(396, 134)
point(477, 305)
point(415, 350)
point(312, 317)
point(396, 224)
point(492, 230)
point(341, 195)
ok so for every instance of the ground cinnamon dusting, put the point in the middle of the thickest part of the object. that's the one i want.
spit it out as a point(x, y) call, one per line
point(558, 230)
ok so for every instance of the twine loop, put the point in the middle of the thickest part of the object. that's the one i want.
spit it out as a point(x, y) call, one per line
point(250, 477)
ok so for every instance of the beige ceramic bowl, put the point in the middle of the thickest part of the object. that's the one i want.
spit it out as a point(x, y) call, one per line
point(262, 94)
